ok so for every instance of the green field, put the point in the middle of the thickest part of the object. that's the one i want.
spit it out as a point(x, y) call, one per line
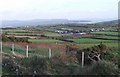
point(14, 30)
point(108, 37)
point(108, 33)
point(55, 34)
point(52, 34)
point(15, 33)
point(89, 40)
point(43, 52)
point(44, 40)
point(107, 44)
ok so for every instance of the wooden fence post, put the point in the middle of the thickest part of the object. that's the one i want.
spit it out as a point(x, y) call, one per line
point(13, 47)
point(1, 47)
point(1, 42)
point(27, 51)
point(82, 59)
point(50, 53)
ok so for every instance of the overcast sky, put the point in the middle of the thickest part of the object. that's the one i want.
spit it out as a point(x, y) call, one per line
point(59, 9)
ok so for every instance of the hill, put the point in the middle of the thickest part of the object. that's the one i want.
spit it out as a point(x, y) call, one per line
point(44, 22)
point(113, 22)
point(14, 23)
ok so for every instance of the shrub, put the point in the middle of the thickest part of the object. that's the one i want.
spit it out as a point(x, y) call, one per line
point(92, 54)
point(103, 68)
point(35, 63)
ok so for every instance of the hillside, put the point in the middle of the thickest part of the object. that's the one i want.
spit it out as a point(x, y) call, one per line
point(113, 22)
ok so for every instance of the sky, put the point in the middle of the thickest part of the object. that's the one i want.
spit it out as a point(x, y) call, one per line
point(59, 9)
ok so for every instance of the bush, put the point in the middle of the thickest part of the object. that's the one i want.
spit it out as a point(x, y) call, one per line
point(103, 68)
point(9, 66)
point(92, 51)
point(35, 63)
point(113, 56)
point(14, 39)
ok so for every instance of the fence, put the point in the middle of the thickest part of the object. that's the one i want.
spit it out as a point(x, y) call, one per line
point(28, 50)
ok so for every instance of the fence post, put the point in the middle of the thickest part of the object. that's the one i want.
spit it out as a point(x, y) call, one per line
point(27, 51)
point(82, 59)
point(13, 47)
point(1, 47)
point(50, 53)
point(1, 41)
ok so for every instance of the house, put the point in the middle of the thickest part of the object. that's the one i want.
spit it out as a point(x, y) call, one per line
point(71, 32)
point(103, 29)
point(92, 30)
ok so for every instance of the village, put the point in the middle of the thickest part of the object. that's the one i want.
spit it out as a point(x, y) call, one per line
point(81, 32)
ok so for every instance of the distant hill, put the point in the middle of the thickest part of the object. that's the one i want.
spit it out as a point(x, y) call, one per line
point(14, 23)
point(43, 22)
point(113, 22)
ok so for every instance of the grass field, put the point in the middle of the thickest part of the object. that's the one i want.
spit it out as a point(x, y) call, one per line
point(18, 50)
point(16, 33)
point(14, 30)
point(108, 33)
point(44, 40)
point(107, 44)
point(43, 52)
point(7, 50)
point(108, 37)
point(52, 34)
point(85, 42)
point(55, 34)
point(89, 40)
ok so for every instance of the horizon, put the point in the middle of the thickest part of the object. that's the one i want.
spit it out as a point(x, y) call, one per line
point(64, 19)
point(18, 23)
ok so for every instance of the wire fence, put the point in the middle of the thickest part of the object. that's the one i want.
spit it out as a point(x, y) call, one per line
point(29, 51)
point(21, 49)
